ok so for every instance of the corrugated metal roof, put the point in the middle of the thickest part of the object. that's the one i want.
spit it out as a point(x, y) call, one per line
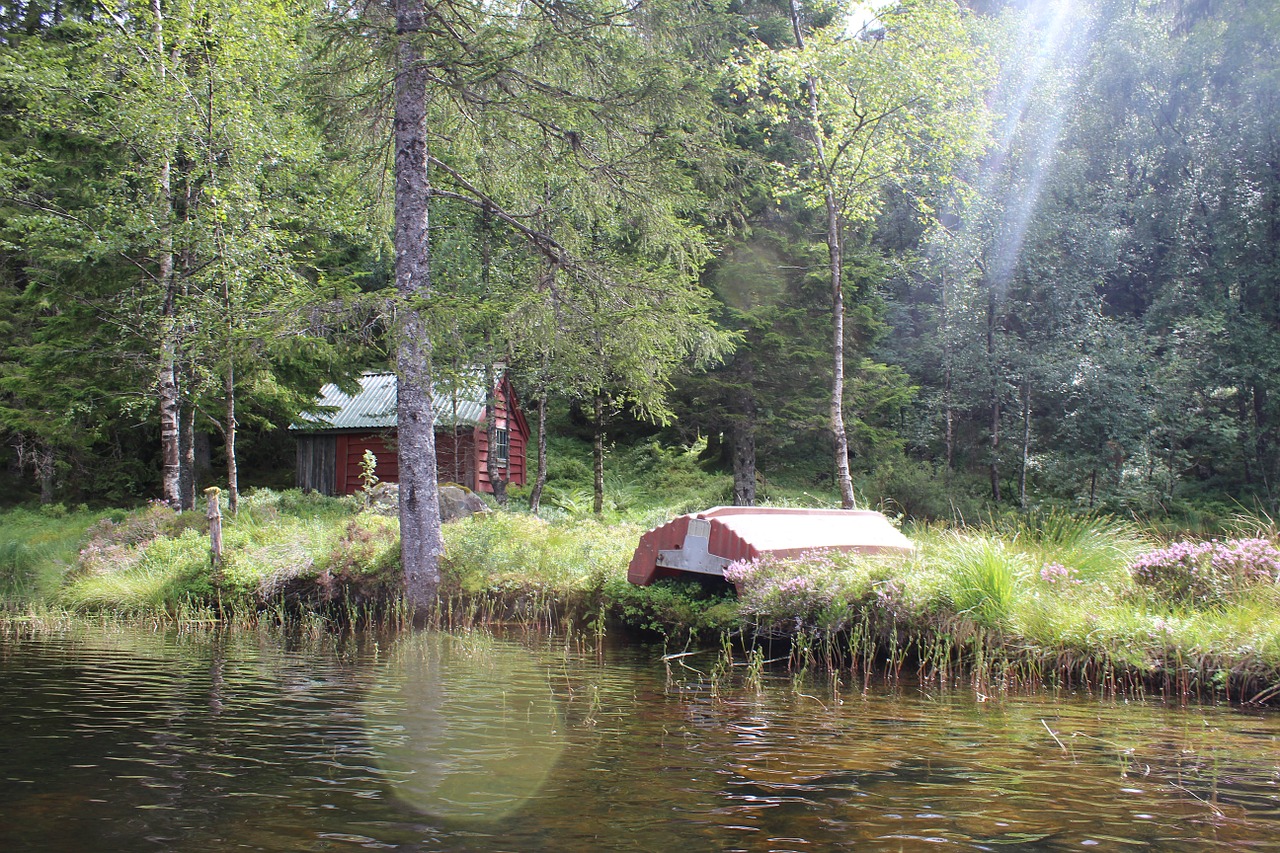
point(374, 406)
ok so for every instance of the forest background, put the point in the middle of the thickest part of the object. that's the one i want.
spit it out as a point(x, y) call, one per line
point(1050, 232)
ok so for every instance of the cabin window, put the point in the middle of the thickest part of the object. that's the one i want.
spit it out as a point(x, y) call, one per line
point(502, 446)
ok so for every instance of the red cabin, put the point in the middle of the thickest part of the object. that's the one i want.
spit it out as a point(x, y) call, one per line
point(333, 438)
point(704, 543)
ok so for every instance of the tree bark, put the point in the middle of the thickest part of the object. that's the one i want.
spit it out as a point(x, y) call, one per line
point(948, 417)
point(1262, 442)
point(540, 477)
point(46, 466)
point(835, 250)
point(597, 453)
point(187, 441)
point(492, 467)
point(838, 433)
point(167, 379)
point(233, 471)
point(744, 452)
point(421, 542)
point(994, 462)
point(1026, 442)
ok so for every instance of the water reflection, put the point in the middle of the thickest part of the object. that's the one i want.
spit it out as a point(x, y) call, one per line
point(467, 726)
point(133, 740)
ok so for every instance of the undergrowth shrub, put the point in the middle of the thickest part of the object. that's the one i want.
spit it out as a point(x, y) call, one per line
point(919, 491)
point(1207, 573)
point(36, 547)
point(778, 588)
point(1091, 548)
point(675, 608)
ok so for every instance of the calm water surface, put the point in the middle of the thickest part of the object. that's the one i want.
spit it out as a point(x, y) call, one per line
point(125, 739)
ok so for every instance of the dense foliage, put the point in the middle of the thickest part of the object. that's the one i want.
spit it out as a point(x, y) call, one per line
point(1045, 234)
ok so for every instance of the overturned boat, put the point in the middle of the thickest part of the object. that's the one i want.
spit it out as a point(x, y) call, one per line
point(704, 543)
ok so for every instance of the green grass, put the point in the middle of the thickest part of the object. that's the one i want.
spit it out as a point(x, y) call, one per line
point(36, 549)
point(1044, 595)
point(986, 578)
point(280, 544)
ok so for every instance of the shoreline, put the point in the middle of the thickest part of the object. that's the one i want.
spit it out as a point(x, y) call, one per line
point(1052, 601)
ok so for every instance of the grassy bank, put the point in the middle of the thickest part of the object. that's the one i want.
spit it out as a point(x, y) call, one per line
point(1033, 600)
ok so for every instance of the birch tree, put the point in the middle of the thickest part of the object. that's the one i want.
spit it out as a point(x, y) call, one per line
point(892, 104)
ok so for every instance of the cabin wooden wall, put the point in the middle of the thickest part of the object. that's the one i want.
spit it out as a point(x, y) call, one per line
point(517, 441)
point(456, 458)
point(329, 463)
point(351, 448)
point(317, 463)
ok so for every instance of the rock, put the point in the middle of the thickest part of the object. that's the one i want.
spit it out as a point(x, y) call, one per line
point(383, 499)
point(458, 502)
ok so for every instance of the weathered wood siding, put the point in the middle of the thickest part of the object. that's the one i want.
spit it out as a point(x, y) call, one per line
point(317, 463)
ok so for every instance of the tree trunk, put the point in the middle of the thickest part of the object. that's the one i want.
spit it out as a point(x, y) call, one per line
point(170, 410)
point(167, 379)
point(948, 417)
point(233, 472)
point(597, 448)
point(835, 250)
point(838, 433)
point(993, 375)
point(744, 453)
point(994, 465)
point(491, 465)
point(540, 477)
point(421, 542)
point(187, 440)
point(1262, 442)
point(45, 469)
point(1026, 442)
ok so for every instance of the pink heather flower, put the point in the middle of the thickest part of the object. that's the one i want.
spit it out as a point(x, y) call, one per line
point(1054, 573)
point(740, 570)
point(1205, 571)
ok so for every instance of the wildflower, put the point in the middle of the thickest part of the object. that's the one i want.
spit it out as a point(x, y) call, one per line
point(739, 571)
point(1056, 573)
point(1207, 571)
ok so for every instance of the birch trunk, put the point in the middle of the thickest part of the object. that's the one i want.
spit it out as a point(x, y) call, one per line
point(835, 249)
point(233, 470)
point(994, 462)
point(1026, 442)
point(167, 378)
point(187, 441)
point(947, 417)
point(421, 542)
point(838, 433)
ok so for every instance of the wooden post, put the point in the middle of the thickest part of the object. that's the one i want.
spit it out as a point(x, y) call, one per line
point(214, 515)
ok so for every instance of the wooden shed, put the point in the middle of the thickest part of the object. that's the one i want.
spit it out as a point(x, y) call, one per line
point(333, 438)
point(704, 543)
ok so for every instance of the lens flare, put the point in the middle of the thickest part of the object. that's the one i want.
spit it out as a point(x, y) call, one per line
point(465, 727)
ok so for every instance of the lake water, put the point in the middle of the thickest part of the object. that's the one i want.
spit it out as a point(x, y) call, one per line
point(129, 739)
